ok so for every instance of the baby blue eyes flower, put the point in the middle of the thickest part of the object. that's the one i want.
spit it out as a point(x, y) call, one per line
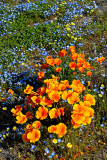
point(32, 147)
point(102, 125)
point(59, 140)
point(103, 118)
point(101, 87)
point(47, 150)
point(82, 82)
point(50, 135)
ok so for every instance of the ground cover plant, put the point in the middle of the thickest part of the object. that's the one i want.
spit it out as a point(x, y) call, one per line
point(53, 80)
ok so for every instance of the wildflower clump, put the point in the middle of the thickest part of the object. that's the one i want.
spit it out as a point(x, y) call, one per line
point(59, 93)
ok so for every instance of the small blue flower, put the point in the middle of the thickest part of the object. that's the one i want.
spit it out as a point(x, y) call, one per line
point(95, 90)
point(50, 135)
point(102, 92)
point(50, 156)
point(103, 118)
point(76, 77)
point(102, 125)
point(2, 138)
point(101, 87)
point(47, 150)
point(59, 140)
point(82, 125)
point(53, 153)
point(82, 82)
point(32, 147)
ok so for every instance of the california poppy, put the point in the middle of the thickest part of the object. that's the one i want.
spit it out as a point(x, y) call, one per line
point(34, 135)
point(58, 69)
point(21, 118)
point(28, 89)
point(41, 113)
point(99, 60)
point(61, 129)
point(62, 53)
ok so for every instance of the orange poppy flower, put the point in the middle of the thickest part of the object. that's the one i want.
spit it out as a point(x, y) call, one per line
point(46, 102)
point(58, 69)
point(74, 73)
point(29, 115)
point(17, 110)
point(36, 124)
point(64, 95)
point(61, 111)
point(55, 78)
point(72, 49)
point(61, 87)
point(21, 118)
point(78, 118)
point(61, 129)
point(54, 95)
point(28, 89)
point(77, 88)
point(10, 91)
point(75, 125)
point(99, 60)
point(53, 113)
point(86, 121)
point(82, 55)
point(75, 56)
point(72, 97)
point(3, 99)
point(41, 113)
point(40, 79)
point(76, 82)
point(57, 61)
point(89, 73)
point(44, 65)
point(53, 85)
point(80, 60)
point(89, 82)
point(72, 65)
point(81, 69)
point(52, 129)
point(48, 57)
point(34, 135)
point(51, 62)
point(66, 83)
point(29, 127)
point(86, 65)
point(89, 98)
point(82, 109)
point(36, 65)
point(41, 91)
point(41, 75)
point(36, 99)
point(87, 103)
point(79, 65)
point(62, 53)
point(24, 136)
